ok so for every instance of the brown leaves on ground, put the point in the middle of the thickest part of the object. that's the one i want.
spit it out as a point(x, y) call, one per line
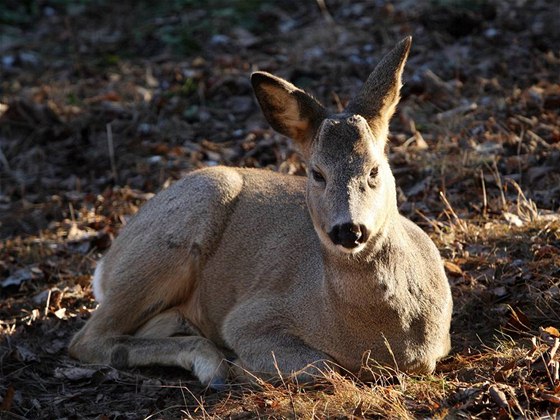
point(102, 105)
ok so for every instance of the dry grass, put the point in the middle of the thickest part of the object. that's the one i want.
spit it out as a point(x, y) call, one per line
point(331, 395)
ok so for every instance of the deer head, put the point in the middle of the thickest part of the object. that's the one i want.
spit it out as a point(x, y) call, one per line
point(350, 188)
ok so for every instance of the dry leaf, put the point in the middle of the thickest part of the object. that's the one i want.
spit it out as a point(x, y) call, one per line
point(518, 321)
point(7, 399)
point(498, 396)
point(512, 219)
point(61, 313)
point(26, 355)
point(505, 371)
point(546, 251)
point(552, 331)
point(555, 399)
point(16, 279)
point(453, 269)
point(74, 373)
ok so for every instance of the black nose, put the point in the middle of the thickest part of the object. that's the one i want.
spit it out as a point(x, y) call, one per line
point(348, 235)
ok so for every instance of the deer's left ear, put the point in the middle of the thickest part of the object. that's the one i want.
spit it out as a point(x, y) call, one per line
point(289, 110)
point(380, 94)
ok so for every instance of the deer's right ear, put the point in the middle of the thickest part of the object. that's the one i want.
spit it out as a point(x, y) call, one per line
point(379, 96)
point(289, 110)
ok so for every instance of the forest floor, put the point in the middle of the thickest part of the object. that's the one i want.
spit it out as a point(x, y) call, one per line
point(104, 103)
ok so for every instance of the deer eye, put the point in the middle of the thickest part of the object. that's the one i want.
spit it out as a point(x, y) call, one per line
point(372, 177)
point(317, 176)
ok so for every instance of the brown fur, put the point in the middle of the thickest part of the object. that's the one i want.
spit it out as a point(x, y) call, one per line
point(242, 260)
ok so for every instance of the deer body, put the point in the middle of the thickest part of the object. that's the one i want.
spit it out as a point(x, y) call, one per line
point(316, 270)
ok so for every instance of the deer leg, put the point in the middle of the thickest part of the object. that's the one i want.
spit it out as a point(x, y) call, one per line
point(287, 357)
point(196, 354)
point(266, 349)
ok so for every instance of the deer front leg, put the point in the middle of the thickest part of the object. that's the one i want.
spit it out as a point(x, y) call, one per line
point(265, 347)
point(194, 353)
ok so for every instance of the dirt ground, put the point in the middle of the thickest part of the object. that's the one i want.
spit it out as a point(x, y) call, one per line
point(104, 103)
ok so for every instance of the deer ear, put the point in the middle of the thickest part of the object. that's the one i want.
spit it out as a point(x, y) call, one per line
point(380, 94)
point(289, 110)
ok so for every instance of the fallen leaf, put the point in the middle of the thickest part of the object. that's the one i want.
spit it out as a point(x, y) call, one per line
point(41, 297)
point(16, 279)
point(546, 251)
point(498, 396)
point(518, 321)
point(7, 400)
point(61, 313)
point(110, 96)
point(26, 355)
point(500, 291)
point(552, 331)
point(74, 373)
point(54, 346)
point(453, 269)
point(551, 398)
point(512, 219)
point(505, 371)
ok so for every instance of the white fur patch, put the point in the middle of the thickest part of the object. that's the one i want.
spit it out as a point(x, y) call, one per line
point(205, 369)
point(96, 284)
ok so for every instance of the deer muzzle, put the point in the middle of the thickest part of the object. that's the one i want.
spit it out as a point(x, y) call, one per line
point(349, 235)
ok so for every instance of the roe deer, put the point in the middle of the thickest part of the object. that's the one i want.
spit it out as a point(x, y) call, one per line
point(287, 273)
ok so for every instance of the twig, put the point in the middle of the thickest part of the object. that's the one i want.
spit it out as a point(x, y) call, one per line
point(437, 84)
point(463, 109)
point(72, 215)
point(111, 153)
point(48, 303)
point(554, 364)
point(498, 180)
point(325, 12)
point(484, 198)
point(4, 162)
point(390, 350)
point(338, 102)
point(534, 136)
point(292, 404)
point(458, 221)
point(432, 223)
point(531, 207)
point(519, 167)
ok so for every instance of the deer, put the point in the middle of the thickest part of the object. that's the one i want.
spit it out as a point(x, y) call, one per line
point(283, 274)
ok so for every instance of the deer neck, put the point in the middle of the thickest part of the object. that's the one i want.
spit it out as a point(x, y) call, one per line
point(353, 280)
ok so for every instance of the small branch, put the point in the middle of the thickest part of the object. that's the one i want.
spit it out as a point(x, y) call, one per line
point(325, 12)
point(47, 304)
point(484, 198)
point(554, 348)
point(4, 162)
point(458, 221)
point(456, 112)
point(111, 153)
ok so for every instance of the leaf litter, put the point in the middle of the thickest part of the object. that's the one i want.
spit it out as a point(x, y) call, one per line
point(125, 99)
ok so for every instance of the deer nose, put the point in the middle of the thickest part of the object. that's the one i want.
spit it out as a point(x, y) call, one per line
point(349, 235)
